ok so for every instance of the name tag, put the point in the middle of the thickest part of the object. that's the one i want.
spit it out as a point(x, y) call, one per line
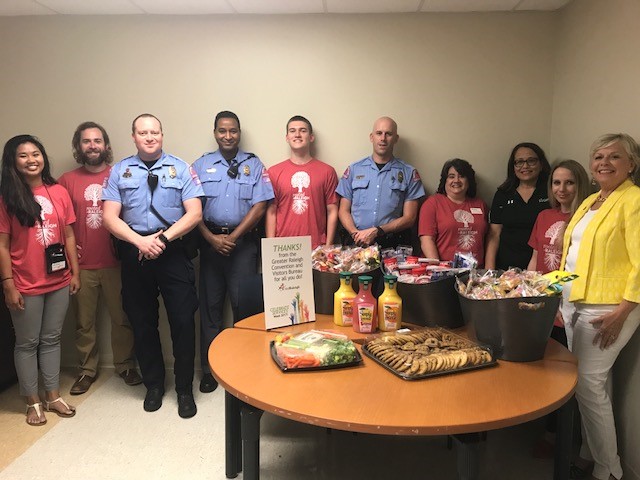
point(476, 211)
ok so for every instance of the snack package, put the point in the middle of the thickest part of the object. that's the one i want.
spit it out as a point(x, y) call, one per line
point(464, 260)
point(513, 283)
point(336, 259)
point(315, 348)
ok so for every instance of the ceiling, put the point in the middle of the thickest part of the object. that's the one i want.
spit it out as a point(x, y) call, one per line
point(207, 7)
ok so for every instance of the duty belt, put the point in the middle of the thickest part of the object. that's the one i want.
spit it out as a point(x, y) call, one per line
point(213, 228)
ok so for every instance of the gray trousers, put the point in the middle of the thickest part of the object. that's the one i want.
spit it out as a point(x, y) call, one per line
point(38, 328)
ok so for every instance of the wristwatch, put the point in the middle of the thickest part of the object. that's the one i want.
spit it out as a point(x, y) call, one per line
point(163, 239)
point(381, 232)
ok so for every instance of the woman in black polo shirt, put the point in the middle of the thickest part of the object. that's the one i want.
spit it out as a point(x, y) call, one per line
point(515, 207)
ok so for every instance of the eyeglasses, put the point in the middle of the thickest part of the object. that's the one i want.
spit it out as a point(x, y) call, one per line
point(233, 168)
point(152, 181)
point(531, 162)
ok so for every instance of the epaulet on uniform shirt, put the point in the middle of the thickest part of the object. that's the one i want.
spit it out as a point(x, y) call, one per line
point(206, 153)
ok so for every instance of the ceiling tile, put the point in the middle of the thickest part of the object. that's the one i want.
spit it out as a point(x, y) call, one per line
point(184, 7)
point(92, 7)
point(372, 6)
point(277, 6)
point(468, 5)
point(542, 4)
point(23, 7)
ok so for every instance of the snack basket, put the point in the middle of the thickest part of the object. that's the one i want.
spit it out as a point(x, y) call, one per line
point(431, 304)
point(516, 328)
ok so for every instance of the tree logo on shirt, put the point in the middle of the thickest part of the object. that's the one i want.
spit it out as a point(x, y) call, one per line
point(300, 203)
point(466, 235)
point(93, 194)
point(553, 250)
point(46, 233)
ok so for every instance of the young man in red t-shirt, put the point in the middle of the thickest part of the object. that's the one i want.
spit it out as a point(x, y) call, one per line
point(305, 200)
point(99, 268)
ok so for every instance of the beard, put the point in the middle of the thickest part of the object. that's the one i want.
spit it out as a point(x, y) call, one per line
point(94, 161)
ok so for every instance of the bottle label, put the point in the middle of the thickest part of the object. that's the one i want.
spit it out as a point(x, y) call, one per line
point(347, 311)
point(390, 316)
point(365, 317)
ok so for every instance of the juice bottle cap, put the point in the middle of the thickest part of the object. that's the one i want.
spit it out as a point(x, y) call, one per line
point(365, 279)
point(345, 274)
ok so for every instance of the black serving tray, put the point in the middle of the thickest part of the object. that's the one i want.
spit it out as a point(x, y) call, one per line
point(404, 376)
point(276, 359)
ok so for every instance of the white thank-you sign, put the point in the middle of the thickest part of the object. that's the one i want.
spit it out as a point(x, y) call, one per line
point(287, 281)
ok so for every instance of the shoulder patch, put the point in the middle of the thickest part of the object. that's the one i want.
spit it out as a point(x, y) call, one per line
point(416, 176)
point(194, 176)
point(346, 173)
point(265, 176)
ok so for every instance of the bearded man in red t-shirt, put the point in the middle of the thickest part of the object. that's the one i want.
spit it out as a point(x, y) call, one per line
point(99, 267)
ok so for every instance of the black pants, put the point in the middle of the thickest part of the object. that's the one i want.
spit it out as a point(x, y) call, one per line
point(172, 275)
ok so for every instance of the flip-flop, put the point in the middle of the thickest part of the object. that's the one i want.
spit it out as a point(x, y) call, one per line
point(47, 407)
point(38, 408)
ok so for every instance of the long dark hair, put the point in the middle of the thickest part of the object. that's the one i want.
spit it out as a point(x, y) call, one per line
point(16, 192)
point(464, 169)
point(512, 181)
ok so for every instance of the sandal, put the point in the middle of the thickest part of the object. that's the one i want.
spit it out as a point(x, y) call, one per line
point(41, 418)
point(71, 411)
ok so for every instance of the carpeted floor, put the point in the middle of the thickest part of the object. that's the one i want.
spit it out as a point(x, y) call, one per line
point(111, 437)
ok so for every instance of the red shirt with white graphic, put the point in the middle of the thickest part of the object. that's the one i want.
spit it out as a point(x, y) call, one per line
point(302, 193)
point(546, 238)
point(455, 227)
point(95, 249)
point(27, 244)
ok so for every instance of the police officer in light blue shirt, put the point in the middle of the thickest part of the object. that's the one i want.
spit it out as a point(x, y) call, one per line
point(380, 193)
point(151, 201)
point(237, 189)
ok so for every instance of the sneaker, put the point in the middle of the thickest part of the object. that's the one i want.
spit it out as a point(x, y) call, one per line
point(131, 377)
point(82, 384)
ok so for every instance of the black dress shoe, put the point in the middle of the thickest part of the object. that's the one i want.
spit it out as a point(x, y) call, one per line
point(82, 384)
point(208, 384)
point(153, 399)
point(186, 405)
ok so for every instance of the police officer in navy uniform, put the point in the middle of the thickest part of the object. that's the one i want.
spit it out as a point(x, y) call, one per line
point(151, 201)
point(380, 193)
point(237, 189)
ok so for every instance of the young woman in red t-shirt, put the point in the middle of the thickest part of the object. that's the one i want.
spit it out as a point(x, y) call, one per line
point(38, 270)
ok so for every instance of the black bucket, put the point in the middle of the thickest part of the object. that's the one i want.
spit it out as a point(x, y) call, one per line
point(325, 285)
point(433, 304)
point(517, 329)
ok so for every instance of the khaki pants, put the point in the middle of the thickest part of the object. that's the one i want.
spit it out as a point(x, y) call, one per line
point(95, 284)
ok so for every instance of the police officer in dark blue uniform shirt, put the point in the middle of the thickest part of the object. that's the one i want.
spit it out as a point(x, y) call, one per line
point(151, 201)
point(380, 193)
point(237, 188)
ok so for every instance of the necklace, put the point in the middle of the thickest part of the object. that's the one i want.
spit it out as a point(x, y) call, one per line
point(601, 199)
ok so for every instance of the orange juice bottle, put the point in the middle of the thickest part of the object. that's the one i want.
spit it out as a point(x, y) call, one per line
point(389, 306)
point(365, 316)
point(343, 301)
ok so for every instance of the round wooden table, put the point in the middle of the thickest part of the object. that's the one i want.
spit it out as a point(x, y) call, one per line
point(464, 403)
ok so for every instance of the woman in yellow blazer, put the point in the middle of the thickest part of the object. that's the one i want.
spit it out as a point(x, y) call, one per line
point(602, 245)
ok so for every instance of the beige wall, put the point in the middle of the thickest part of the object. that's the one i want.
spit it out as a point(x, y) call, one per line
point(595, 92)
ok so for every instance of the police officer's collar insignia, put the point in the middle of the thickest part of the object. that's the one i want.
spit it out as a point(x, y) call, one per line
point(172, 172)
point(127, 173)
point(246, 170)
point(400, 177)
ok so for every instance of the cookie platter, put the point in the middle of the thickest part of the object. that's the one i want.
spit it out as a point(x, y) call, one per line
point(427, 352)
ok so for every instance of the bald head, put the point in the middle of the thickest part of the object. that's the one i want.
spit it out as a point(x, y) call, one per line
point(383, 137)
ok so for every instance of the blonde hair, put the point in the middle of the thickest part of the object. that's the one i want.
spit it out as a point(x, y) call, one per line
point(628, 143)
point(583, 188)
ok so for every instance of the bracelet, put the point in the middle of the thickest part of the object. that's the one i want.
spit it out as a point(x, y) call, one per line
point(5, 279)
point(381, 232)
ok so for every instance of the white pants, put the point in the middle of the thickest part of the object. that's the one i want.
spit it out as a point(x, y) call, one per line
point(593, 391)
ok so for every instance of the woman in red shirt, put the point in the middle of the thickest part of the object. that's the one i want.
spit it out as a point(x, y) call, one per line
point(453, 219)
point(38, 269)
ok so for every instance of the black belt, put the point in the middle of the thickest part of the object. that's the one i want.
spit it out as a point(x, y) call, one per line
point(213, 228)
